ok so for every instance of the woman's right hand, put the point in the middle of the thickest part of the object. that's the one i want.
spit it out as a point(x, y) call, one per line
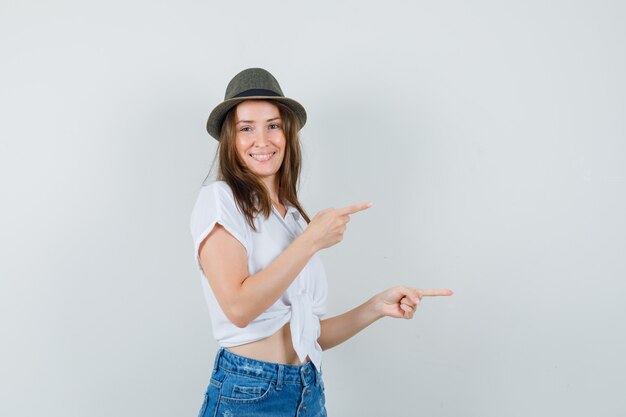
point(327, 227)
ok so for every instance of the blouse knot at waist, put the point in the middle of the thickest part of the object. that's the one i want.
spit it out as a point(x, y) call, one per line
point(305, 327)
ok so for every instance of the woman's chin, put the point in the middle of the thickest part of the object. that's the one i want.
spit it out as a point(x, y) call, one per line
point(264, 173)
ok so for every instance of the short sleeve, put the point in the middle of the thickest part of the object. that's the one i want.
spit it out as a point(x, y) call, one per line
point(216, 204)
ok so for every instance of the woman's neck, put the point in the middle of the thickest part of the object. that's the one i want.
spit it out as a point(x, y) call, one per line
point(272, 188)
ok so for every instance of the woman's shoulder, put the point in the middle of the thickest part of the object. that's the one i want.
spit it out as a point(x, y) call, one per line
point(216, 197)
point(216, 193)
point(217, 187)
point(215, 184)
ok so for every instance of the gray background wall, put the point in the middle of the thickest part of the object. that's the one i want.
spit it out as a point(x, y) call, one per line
point(489, 135)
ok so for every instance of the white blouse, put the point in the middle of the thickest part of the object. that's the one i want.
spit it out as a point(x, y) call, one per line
point(304, 302)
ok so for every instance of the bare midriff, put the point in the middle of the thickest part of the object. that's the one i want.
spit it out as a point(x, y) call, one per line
point(276, 348)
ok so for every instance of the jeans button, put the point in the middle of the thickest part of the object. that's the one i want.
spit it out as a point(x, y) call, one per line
point(306, 371)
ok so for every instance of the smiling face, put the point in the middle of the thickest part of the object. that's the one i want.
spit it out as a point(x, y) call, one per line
point(260, 139)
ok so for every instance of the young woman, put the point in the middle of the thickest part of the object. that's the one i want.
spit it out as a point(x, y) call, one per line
point(256, 249)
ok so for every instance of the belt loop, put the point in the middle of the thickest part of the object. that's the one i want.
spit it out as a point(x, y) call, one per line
point(217, 359)
point(279, 379)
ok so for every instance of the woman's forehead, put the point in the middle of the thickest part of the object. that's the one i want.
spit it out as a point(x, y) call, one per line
point(256, 109)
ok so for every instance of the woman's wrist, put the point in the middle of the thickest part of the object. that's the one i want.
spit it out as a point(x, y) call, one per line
point(307, 243)
point(374, 307)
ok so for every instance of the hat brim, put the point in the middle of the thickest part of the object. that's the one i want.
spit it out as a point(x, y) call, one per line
point(216, 118)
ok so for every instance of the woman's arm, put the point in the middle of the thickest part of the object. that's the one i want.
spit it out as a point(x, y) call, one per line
point(244, 297)
point(397, 302)
point(338, 329)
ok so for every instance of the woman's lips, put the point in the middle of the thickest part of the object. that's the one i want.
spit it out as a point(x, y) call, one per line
point(262, 157)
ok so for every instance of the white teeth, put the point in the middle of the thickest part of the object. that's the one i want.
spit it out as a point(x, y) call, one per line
point(262, 157)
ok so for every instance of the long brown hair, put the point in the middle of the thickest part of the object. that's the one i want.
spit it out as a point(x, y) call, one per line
point(251, 194)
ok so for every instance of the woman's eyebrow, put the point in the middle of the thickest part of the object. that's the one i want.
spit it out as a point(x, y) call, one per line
point(252, 121)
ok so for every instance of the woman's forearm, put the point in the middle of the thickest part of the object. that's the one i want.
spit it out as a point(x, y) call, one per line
point(338, 329)
point(259, 291)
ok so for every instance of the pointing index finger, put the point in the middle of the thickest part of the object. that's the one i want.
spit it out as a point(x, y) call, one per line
point(354, 208)
point(434, 293)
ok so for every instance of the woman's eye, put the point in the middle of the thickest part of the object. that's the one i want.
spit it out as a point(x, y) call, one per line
point(274, 126)
point(245, 129)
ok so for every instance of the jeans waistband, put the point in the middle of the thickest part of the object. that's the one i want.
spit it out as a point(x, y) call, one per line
point(304, 374)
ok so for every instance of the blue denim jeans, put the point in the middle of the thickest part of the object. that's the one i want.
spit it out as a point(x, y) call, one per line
point(241, 386)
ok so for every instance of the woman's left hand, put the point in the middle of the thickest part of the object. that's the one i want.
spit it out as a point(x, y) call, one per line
point(401, 302)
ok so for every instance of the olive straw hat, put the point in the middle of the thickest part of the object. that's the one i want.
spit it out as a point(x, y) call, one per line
point(251, 83)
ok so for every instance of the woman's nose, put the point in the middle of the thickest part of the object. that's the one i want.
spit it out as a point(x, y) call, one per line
point(261, 136)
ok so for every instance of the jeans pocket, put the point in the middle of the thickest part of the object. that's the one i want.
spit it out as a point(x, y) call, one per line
point(245, 389)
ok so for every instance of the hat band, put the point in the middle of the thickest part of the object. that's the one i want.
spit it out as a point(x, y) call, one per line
point(257, 92)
